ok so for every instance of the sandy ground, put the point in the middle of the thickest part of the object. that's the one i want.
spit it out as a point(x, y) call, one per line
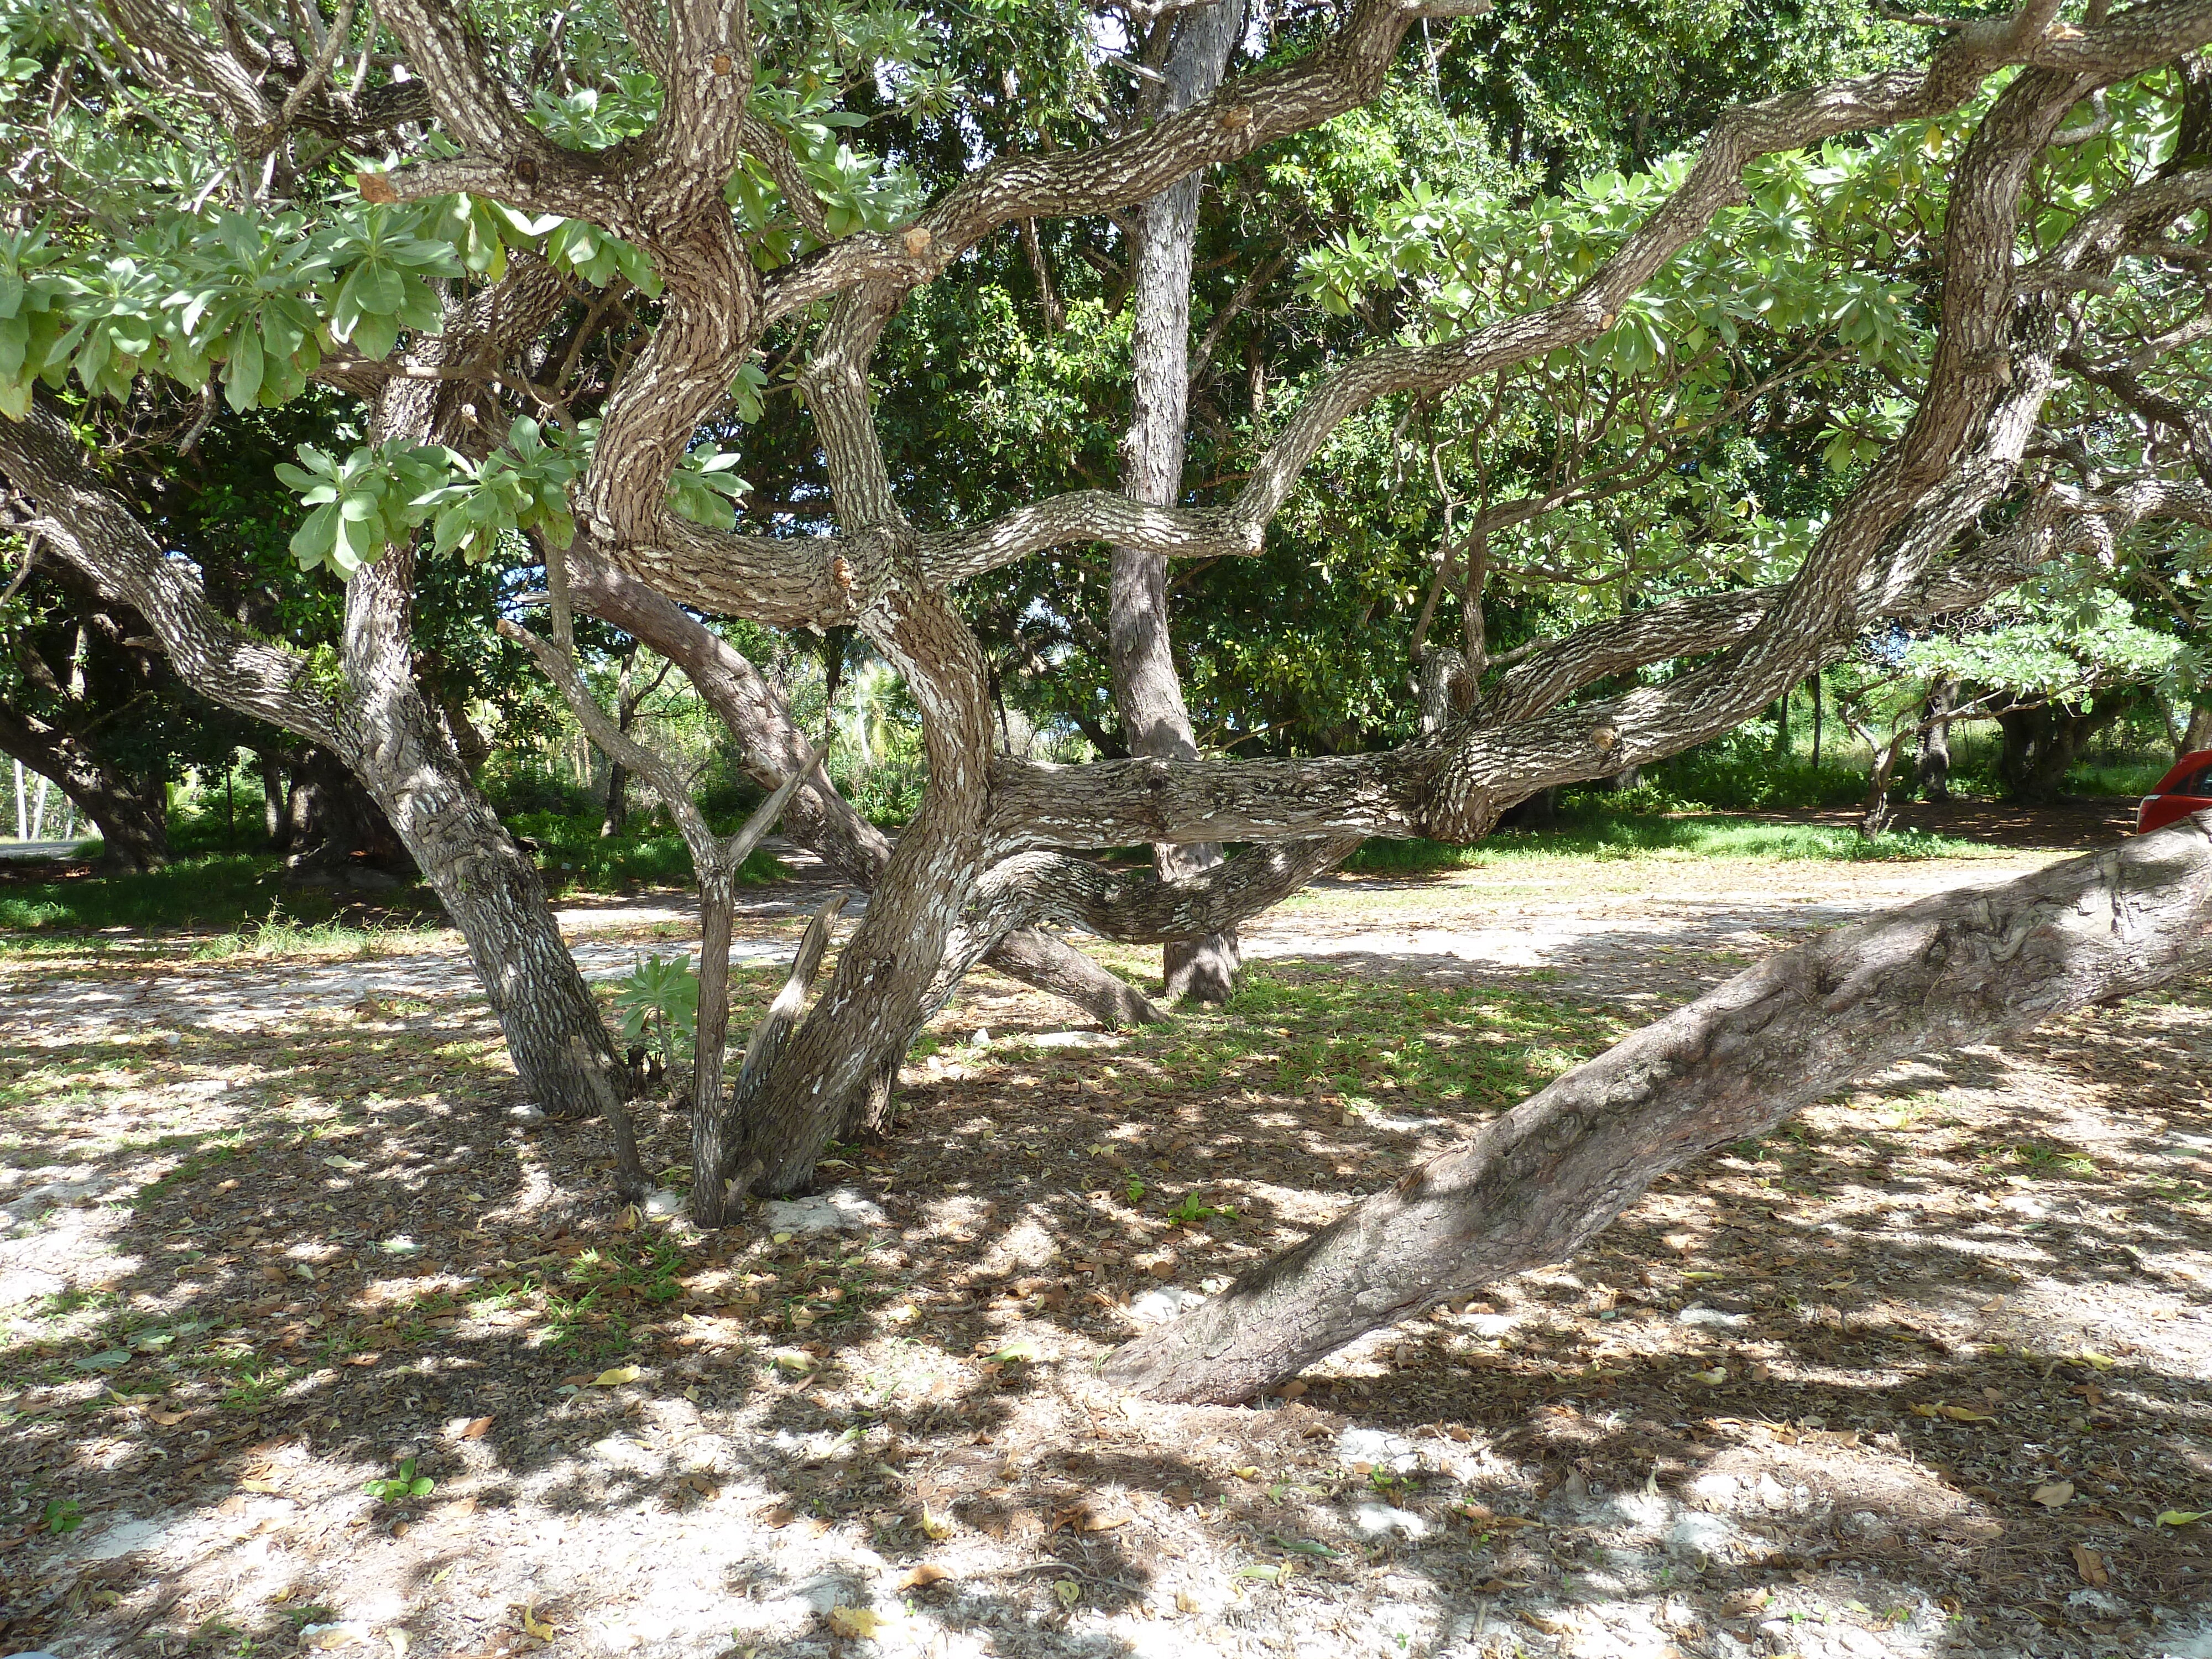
point(1921, 1375)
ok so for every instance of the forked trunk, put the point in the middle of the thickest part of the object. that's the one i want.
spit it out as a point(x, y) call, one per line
point(1534, 1186)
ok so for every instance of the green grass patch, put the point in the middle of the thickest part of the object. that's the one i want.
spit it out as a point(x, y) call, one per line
point(242, 891)
point(576, 858)
point(1290, 1030)
point(1638, 836)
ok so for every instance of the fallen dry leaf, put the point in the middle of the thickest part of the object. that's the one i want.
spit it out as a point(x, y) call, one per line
point(855, 1621)
point(2053, 1493)
point(1550, 1624)
point(615, 1376)
point(2090, 1565)
point(478, 1427)
point(167, 1419)
point(917, 1577)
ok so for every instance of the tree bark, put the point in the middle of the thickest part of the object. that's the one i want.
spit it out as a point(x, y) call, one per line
point(131, 814)
point(818, 817)
point(1147, 691)
point(1534, 1186)
point(2042, 743)
point(1934, 763)
point(375, 721)
point(276, 803)
point(2197, 735)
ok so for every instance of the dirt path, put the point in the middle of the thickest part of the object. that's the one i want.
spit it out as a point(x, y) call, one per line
point(1917, 1377)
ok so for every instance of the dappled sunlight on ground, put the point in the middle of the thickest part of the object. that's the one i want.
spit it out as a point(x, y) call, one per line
point(1817, 1395)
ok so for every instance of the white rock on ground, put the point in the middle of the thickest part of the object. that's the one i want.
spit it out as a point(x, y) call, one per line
point(841, 1209)
point(1378, 1519)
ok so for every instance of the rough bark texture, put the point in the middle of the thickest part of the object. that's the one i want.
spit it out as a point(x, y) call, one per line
point(1535, 1185)
point(1147, 691)
point(1934, 762)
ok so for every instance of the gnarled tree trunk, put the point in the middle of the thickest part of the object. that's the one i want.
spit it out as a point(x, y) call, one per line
point(1147, 691)
point(1534, 1186)
point(381, 726)
point(817, 817)
point(130, 813)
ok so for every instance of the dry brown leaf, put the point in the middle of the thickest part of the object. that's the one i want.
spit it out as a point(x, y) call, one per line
point(2053, 1493)
point(1550, 1624)
point(1109, 1521)
point(918, 1577)
point(265, 1486)
point(167, 1419)
point(2090, 1565)
point(478, 1427)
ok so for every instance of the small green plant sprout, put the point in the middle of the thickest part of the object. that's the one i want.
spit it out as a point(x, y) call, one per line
point(1135, 1190)
point(403, 1484)
point(1189, 1213)
point(62, 1515)
point(660, 1002)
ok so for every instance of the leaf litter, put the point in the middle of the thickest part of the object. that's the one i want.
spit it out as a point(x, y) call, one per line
point(345, 1257)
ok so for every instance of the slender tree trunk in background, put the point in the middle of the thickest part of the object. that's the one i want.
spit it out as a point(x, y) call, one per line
point(617, 812)
point(1815, 684)
point(1146, 689)
point(1535, 1185)
point(1934, 764)
point(616, 816)
point(1781, 727)
point(275, 820)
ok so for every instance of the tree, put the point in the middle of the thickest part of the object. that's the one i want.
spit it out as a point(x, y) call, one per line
point(1193, 48)
point(89, 703)
point(698, 160)
point(1539, 1181)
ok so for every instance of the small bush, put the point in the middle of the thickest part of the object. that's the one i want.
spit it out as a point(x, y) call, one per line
point(518, 784)
point(646, 853)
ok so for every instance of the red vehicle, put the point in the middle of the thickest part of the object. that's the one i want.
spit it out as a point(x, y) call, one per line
point(2186, 789)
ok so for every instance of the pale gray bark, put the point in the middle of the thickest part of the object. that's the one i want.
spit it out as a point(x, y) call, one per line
point(1147, 691)
point(1934, 764)
point(1534, 1186)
